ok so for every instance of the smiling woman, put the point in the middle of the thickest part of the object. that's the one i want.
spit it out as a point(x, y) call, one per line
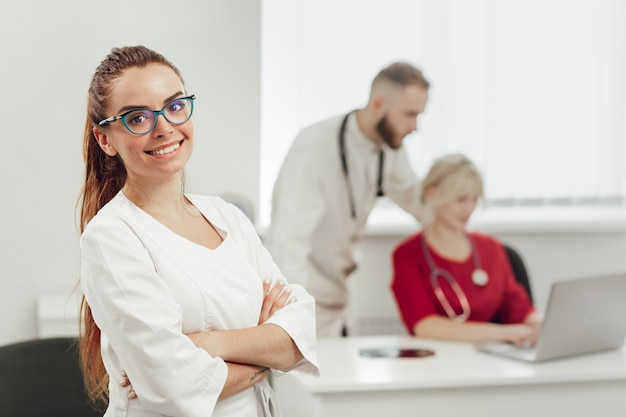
point(141, 131)
point(218, 37)
point(180, 296)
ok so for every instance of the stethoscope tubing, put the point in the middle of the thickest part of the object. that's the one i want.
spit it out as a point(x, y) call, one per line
point(436, 272)
point(344, 165)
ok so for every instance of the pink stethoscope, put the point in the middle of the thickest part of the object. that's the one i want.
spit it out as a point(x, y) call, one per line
point(479, 277)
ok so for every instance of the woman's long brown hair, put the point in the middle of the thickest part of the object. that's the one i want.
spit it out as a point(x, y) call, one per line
point(104, 178)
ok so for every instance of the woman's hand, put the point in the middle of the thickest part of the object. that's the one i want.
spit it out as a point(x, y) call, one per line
point(275, 298)
point(520, 334)
point(125, 382)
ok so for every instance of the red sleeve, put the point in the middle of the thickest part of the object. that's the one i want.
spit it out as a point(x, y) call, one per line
point(410, 283)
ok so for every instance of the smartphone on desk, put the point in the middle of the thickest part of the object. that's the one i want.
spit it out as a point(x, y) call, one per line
point(393, 352)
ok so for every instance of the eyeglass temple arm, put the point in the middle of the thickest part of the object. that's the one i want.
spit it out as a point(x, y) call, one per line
point(107, 121)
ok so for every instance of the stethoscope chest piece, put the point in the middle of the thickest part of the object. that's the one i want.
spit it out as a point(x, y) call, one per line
point(480, 277)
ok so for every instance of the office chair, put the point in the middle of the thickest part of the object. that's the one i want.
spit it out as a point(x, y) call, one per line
point(519, 270)
point(41, 378)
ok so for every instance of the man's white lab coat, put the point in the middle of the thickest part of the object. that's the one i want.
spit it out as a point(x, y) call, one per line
point(313, 235)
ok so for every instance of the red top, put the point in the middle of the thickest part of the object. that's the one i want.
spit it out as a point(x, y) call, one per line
point(501, 300)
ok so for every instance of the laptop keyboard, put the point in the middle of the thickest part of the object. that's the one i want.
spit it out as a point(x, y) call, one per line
point(521, 352)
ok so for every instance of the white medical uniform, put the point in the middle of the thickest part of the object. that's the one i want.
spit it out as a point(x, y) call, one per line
point(147, 287)
point(313, 237)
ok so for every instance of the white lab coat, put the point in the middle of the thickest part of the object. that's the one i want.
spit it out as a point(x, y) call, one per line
point(312, 235)
point(147, 287)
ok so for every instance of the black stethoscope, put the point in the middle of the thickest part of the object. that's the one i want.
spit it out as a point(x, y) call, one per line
point(344, 164)
point(479, 278)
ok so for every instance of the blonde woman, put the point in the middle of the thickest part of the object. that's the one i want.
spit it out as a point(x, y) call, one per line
point(453, 284)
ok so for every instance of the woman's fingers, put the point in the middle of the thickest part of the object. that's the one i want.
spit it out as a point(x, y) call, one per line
point(281, 301)
point(273, 294)
point(125, 382)
point(275, 298)
point(522, 335)
point(266, 287)
point(266, 308)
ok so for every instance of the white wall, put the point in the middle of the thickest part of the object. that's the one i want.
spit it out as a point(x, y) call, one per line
point(50, 50)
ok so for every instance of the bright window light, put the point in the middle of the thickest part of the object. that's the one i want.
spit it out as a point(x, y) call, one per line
point(532, 90)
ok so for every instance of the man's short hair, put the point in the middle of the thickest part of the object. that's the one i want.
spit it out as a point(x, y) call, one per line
point(403, 74)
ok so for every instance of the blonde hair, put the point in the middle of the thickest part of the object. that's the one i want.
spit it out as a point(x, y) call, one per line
point(450, 176)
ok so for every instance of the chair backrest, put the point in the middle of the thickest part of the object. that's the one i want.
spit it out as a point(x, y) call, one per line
point(519, 270)
point(42, 378)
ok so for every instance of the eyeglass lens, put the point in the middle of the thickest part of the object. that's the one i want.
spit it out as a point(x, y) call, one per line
point(144, 120)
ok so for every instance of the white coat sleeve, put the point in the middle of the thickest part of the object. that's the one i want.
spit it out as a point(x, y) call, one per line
point(297, 318)
point(143, 324)
point(297, 208)
point(403, 187)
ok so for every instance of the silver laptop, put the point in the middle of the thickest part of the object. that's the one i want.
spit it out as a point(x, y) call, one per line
point(583, 315)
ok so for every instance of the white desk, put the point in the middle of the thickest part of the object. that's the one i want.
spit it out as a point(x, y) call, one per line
point(457, 381)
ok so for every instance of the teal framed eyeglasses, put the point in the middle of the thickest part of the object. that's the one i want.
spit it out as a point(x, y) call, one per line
point(142, 121)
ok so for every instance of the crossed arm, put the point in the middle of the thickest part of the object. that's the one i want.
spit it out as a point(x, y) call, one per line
point(249, 353)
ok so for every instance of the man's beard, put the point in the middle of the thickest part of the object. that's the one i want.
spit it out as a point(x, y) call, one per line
point(387, 134)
